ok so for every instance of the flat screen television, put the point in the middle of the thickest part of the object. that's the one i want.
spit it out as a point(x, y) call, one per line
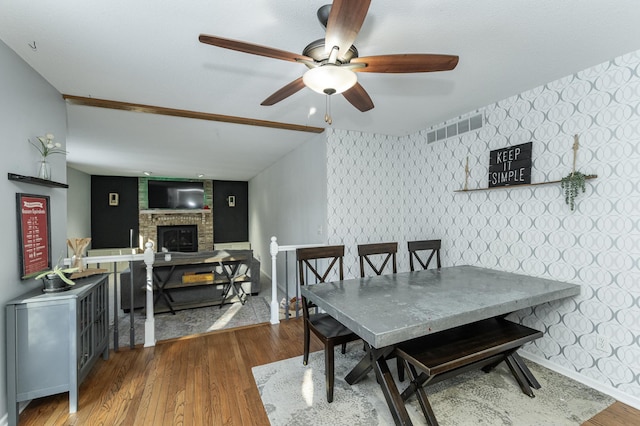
point(175, 194)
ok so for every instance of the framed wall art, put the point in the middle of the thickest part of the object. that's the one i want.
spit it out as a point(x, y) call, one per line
point(34, 234)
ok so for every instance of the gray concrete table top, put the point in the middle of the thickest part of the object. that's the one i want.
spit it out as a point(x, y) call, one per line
point(388, 309)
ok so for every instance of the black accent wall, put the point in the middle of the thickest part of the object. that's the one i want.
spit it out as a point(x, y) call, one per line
point(110, 224)
point(230, 224)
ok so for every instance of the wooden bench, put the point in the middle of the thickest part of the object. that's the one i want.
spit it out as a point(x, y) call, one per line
point(483, 344)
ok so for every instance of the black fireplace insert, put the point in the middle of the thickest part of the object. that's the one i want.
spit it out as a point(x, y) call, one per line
point(182, 238)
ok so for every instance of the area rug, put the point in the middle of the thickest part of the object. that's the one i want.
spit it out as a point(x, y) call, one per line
point(194, 321)
point(294, 394)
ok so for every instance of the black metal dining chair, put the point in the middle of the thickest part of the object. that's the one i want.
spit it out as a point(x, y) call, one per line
point(419, 250)
point(329, 330)
point(381, 252)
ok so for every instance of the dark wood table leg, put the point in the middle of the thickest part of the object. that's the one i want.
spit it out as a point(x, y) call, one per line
point(230, 270)
point(390, 390)
point(376, 360)
point(238, 291)
point(414, 385)
point(365, 365)
point(418, 388)
point(525, 370)
point(226, 286)
point(159, 285)
point(518, 374)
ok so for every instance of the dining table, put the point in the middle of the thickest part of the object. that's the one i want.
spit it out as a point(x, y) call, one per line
point(387, 310)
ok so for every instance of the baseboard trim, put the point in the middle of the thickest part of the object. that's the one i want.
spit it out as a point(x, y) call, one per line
point(601, 387)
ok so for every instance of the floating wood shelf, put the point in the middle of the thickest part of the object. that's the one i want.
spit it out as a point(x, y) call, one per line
point(518, 186)
point(36, 181)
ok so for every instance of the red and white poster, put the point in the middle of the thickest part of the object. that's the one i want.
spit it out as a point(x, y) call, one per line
point(34, 234)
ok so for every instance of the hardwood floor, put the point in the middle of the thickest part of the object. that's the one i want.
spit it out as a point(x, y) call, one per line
point(198, 380)
point(618, 414)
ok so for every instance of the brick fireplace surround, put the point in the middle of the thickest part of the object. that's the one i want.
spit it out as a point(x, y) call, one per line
point(149, 220)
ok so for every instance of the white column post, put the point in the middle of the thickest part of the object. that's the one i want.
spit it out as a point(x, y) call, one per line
point(149, 323)
point(275, 309)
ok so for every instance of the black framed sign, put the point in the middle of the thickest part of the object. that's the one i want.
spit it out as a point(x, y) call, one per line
point(34, 234)
point(510, 166)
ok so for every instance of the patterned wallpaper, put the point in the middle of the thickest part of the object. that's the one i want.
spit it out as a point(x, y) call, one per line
point(365, 194)
point(384, 188)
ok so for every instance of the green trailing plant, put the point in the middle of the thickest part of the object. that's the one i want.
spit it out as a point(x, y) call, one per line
point(570, 185)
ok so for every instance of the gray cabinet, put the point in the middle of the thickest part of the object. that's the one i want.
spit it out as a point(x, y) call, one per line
point(53, 340)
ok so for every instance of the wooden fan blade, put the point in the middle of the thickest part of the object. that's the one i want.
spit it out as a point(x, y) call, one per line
point(345, 19)
point(254, 49)
point(284, 93)
point(359, 98)
point(406, 63)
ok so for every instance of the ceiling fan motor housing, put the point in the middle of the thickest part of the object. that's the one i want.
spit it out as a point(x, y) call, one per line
point(317, 51)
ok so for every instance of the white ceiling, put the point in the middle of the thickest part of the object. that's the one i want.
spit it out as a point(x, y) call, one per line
point(147, 52)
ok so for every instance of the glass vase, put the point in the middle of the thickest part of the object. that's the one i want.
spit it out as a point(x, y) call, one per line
point(44, 169)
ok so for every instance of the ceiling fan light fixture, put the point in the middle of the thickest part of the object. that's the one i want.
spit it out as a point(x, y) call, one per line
point(329, 79)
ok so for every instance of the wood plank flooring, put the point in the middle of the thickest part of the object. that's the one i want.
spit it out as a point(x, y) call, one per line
point(198, 380)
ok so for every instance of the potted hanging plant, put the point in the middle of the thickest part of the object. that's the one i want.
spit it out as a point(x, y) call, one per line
point(574, 181)
point(570, 185)
point(56, 279)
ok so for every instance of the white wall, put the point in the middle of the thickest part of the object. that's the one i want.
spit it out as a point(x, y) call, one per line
point(29, 107)
point(527, 230)
point(78, 205)
point(289, 200)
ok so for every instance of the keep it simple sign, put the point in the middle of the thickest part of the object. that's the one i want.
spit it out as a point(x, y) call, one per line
point(510, 166)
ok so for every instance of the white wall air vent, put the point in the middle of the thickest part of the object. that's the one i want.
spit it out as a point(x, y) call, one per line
point(464, 125)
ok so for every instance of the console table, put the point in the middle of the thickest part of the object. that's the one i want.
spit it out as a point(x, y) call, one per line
point(224, 271)
point(53, 340)
point(192, 280)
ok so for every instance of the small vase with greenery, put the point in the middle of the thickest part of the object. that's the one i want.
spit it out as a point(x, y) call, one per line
point(46, 147)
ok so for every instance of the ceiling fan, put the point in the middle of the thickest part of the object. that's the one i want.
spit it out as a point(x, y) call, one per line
point(333, 61)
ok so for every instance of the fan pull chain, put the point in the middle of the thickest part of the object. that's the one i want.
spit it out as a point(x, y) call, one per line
point(327, 114)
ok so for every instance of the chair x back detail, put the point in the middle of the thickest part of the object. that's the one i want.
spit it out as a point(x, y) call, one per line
point(377, 251)
point(330, 331)
point(420, 250)
point(423, 251)
point(367, 252)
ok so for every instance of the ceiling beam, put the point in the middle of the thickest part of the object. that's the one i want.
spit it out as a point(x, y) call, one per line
point(150, 109)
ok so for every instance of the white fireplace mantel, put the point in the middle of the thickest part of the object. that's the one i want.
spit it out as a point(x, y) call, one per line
point(164, 212)
point(175, 211)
